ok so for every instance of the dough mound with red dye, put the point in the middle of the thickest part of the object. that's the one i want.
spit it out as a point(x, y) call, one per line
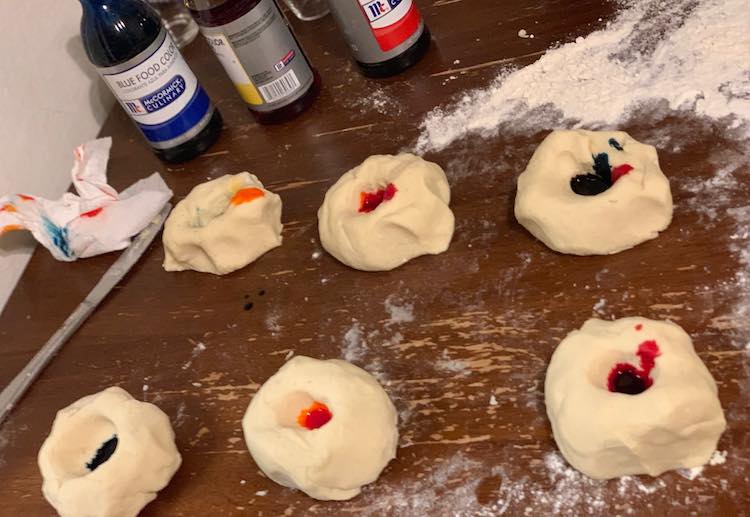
point(593, 193)
point(222, 225)
point(387, 211)
point(631, 396)
point(324, 427)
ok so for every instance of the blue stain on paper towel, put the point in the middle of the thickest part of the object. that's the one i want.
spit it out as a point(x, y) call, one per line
point(59, 237)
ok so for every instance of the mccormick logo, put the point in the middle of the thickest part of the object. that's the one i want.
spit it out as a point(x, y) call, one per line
point(392, 21)
point(379, 8)
point(159, 99)
point(284, 61)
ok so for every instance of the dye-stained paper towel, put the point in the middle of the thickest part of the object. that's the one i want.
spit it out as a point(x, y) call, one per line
point(95, 221)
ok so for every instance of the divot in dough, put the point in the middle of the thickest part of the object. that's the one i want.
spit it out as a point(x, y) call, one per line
point(631, 396)
point(107, 455)
point(324, 427)
point(222, 225)
point(387, 211)
point(593, 193)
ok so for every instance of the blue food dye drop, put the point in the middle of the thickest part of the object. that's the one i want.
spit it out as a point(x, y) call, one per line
point(103, 454)
point(614, 143)
point(591, 184)
point(59, 236)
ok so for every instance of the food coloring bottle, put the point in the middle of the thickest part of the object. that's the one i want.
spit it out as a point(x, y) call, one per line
point(385, 36)
point(132, 51)
point(261, 56)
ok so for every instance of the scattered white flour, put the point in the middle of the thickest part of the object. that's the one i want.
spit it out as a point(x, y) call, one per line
point(272, 323)
point(598, 307)
point(376, 99)
point(559, 490)
point(691, 53)
point(447, 364)
point(523, 34)
point(493, 400)
point(316, 254)
point(197, 350)
point(690, 474)
point(718, 458)
point(261, 493)
point(355, 346)
point(398, 313)
point(180, 416)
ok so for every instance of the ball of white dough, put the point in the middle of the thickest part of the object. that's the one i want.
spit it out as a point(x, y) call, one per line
point(593, 193)
point(387, 211)
point(222, 225)
point(357, 438)
point(107, 456)
point(631, 396)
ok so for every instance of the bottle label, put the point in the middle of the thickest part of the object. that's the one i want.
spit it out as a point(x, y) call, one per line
point(392, 21)
point(161, 94)
point(261, 57)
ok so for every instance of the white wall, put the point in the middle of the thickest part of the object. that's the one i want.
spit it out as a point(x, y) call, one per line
point(50, 101)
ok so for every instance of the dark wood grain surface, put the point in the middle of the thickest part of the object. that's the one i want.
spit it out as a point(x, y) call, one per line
point(466, 373)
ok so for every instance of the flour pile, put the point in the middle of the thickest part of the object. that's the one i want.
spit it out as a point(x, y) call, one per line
point(691, 53)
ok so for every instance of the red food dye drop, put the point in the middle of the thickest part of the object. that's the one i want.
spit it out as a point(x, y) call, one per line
point(315, 416)
point(25, 197)
point(92, 213)
point(620, 171)
point(369, 201)
point(626, 378)
point(638, 327)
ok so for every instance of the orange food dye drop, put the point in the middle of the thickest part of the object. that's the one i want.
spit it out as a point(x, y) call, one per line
point(246, 195)
point(8, 208)
point(315, 416)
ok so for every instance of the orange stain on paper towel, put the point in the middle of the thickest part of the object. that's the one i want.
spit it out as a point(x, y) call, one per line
point(246, 195)
point(11, 228)
point(8, 208)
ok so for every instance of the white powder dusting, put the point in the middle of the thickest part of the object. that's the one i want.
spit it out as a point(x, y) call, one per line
point(398, 312)
point(272, 323)
point(355, 346)
point(691, 53)
point(180, 416)
point(197, 350)
point(449, 365)
point(522, 33)
point(261, 493)
point(377, 99)
point(690, 474)
point(718, 458)
point(493, 400)
point(598, 307)
point(560, 490)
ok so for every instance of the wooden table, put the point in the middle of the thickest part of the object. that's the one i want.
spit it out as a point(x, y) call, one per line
point(466, 374)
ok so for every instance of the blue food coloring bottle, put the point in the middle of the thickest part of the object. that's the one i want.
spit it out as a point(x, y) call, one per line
point(131, 50)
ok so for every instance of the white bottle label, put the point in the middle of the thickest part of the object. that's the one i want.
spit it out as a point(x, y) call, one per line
point(160, 92)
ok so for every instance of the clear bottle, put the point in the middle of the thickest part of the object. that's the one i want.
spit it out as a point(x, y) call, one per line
point(385, 36)
point(262, 57)
point(126, 42)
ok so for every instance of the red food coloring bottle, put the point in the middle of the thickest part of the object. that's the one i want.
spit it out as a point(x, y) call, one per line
point(626, 378)
point(369, 201)
point(315, 416)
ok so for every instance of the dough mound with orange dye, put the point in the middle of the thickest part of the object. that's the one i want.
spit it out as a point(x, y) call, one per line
point(222, 225)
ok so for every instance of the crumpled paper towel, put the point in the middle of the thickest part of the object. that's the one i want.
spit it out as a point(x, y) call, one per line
point(95, 221)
